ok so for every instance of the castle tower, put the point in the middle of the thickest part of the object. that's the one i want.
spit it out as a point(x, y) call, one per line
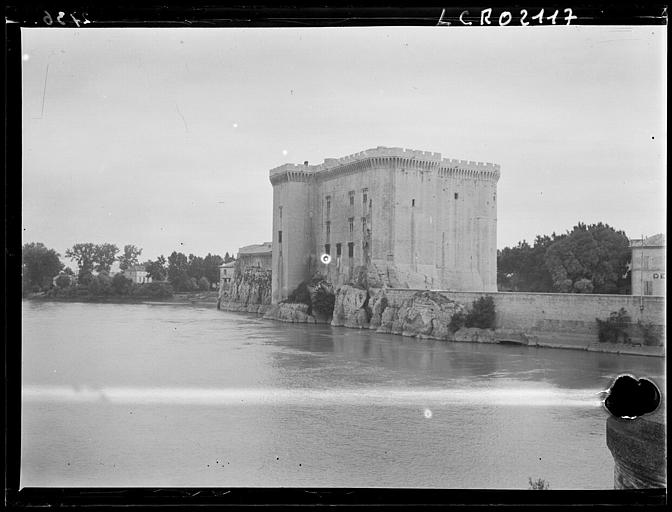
point(427, 221)
point(292, 230)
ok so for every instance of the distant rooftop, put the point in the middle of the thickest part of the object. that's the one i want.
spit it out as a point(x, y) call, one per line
point(652, 241)
point(427, 157)
point(136, 268)
point(264, 248)
point(228, 265)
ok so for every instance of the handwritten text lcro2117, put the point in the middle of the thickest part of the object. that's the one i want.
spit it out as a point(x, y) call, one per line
point(503, 18)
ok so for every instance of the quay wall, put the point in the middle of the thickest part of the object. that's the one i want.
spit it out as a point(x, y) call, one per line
point(567, 311)
point(568, 316)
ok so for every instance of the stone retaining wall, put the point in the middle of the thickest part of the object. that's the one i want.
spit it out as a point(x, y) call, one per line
point(554, 317)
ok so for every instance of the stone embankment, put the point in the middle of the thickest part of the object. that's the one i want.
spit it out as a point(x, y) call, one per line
point(537, 320)
point(638, 448)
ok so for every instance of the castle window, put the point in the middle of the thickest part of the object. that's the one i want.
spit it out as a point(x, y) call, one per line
point(280, 211)
point(351, 249)
point(279, 237)
point(363, 223)
point(351, 224)
point(328, 230)
point(352, 197)
point(328, 201)
point(338, 250)
point(327, 248)
point(456, 195)
point(365, 195)
point(412, 202)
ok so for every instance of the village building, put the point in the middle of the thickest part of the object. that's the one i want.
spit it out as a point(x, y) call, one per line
point(429, 221)
point(647, 269)
point(226, 271)
point(257, 256)
point(137, 274)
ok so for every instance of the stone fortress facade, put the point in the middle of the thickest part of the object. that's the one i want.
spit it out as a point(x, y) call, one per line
point(415, 219)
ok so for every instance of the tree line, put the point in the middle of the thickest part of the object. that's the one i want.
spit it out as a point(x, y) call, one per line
point(184, 273)
point(588, 259)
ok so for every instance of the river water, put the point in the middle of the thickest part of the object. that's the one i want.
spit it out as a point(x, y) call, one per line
point(160, 395)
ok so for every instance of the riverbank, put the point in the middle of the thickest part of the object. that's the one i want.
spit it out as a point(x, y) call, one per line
point(207, 299)
point(298, 313)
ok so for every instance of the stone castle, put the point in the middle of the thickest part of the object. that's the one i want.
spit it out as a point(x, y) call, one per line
point(413, 218)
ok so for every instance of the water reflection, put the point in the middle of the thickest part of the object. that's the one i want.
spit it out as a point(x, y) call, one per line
point(163, 395)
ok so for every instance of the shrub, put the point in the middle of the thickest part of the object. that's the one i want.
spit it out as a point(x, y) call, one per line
point(301, 295)
point(324, 302)
point(539, 484)
point(100, 285)
point(482, 314)
point(203, 284)
point(156, 290)
point(614, 327)
point(649, 333)
point(457, 321)
point(121, 285)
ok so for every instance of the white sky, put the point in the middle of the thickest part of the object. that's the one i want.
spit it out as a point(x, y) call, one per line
point(163, 138)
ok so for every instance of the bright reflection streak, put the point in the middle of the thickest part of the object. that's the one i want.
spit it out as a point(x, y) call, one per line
point(549, 397)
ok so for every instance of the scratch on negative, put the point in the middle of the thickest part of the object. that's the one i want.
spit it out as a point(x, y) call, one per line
point(44, 92)
point(186, 129)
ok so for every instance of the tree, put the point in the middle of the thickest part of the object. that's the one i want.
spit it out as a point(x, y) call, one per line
point(156, 269)
point(596, 253)
point(522, 268)
point(130, 257)
point(211, 265)
point(195, 267)
point(39, 266)
point(228, 258)
point(203, 284)
point(84, 254)
point(100, 284)
point(63, 281)
point(121, 285)
point(178, 266)
point(105, 256)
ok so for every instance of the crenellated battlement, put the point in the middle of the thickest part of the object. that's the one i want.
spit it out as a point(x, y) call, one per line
point(425, 159)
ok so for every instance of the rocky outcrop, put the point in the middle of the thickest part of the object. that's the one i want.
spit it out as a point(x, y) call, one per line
point(250, 291)
point(351, 307)
point(426, 315)
point(475, 335)
point(287, 312)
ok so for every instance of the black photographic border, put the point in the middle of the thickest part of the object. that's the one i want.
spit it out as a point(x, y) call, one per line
point(249, 14)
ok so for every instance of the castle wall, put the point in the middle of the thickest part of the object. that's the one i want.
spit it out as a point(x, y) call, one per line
point(444, 242)
point(370, 220)
point(291, 257)
point(411, 221)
